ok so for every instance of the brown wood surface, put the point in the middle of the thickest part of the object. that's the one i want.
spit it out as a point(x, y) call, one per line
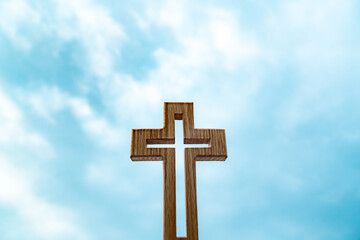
point(166, 135)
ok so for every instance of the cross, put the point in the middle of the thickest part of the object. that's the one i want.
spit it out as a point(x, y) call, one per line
point(140, 151)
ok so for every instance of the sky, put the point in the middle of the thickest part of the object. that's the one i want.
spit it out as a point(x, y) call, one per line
point(281, 77)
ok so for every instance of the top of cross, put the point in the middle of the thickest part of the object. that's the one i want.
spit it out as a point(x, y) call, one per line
point(166, 135)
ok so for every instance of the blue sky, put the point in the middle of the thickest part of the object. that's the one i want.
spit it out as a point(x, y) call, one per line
point(282, 78)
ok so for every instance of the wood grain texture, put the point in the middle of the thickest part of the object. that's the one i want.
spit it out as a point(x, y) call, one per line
point(166, 135)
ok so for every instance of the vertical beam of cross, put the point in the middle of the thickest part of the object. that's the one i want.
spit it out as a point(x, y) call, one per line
point(166, 135)
point(180, 170)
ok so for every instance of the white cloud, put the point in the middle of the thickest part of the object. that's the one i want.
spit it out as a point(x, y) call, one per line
point(236, 46)
point(17, 193)
point(13, 130)
point(216, 61)
point(212, 40)
point(48, 101)
point(15, 17)
point(91, 25)
point(84, 21)
point(44, 219)
point(310, 34)
point(208, 35)
point(317, 41)
point(206, 39)
point(97, 127)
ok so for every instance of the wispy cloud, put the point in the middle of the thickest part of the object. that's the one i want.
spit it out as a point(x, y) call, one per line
point(18, 17)
point(90, 24)
point(48, 101)
point(214, 40)
point(15, 132)
point(38, 217)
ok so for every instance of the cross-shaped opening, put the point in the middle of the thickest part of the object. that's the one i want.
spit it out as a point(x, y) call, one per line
point(180, 172)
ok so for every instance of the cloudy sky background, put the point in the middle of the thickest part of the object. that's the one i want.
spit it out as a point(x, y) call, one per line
point(282, 78)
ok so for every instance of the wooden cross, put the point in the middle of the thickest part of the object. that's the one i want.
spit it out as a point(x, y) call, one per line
point(216, 151)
